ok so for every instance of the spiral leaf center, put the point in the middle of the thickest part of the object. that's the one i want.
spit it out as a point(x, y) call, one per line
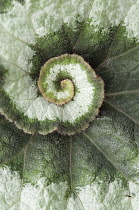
point(74, 90)
point(54, 90)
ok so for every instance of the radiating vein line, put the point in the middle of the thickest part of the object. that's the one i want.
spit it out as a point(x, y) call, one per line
point(79, 36)
point(13, 80)
point(11, 158)
point(70, 165)
point(123, 112)
point(24, 99)
point(24, 156)
point(14, 64)
point(13, 35)
point(80, 203)
point(30, 17)
point(17, 153)
point(114, 165)
point(123, 93)
point(115, 57)
point(108, 59)
point(112, 41)
point(130, 198)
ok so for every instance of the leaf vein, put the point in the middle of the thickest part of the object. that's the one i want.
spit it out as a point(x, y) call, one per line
point(115, 166)
point(122, 93)
point(121, 111)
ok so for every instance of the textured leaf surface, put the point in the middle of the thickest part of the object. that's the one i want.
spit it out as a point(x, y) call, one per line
point(98, 168)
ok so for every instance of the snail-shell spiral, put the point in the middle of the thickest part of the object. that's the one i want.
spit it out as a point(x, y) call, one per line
point(69, 81)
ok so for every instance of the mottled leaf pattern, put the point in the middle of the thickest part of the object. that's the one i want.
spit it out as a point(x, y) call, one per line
point(99, 167)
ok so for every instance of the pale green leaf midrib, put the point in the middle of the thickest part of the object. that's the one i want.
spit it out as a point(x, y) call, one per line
point(115, 166)
point(17, 38)
point(19, 152)
point(25, 149)
point(109, 60)
point(122, 111)
point(128, 92)
point(79, 36)
point(70, 164)
point(14, 64)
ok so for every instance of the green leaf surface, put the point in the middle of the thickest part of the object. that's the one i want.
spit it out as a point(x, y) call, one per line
point(99, 167)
